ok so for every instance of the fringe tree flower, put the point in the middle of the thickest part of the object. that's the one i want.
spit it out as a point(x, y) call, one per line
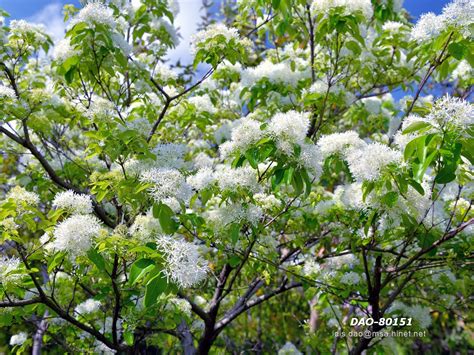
point(6, 92)
point(349, 7)
point(18, 339)
point(75, 234)
point(73, 203)
point(288, 129)
point(339, 143)
point(94, 13)
point(184, 264)
point(88, 306)
point(368, 162)
point(9, 270)
point(20, 195)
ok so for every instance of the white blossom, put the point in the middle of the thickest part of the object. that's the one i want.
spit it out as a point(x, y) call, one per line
point(428, 27)
point(368, 162)
point(350, 278)
point(165, 73)
point(73, 203)
point(94, 13)
point(184, 264)
point(18, 339)
point(288, 128)
point(170, 155)
point(231, 179)
point(179, 304)
point(20, 195)
point(7, 92)
point(63, 50)
point(145, 227)
point(168, 185)
point(244, 134)
point(349, 6)
point(203, 103)
point(22, 28)
point(202, 179)
point(75, 234)
point(88, 306)
point(339, 143)
point(9, 268)
point(267, 202)
point(311, 158)
point(202, 38)
point(274, 72)
point(463, 71)
point(392, 26)
point(234, 212)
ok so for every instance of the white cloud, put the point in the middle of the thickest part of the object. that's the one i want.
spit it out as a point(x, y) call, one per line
point(52, 19)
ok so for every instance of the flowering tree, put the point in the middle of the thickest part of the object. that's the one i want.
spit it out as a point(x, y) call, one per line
point(148, 206)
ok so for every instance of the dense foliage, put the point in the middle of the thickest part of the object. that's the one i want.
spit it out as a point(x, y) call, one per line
point(257, 206)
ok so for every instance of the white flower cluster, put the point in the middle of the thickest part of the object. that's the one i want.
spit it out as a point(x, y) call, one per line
point(288, 129)
point(88, 306)
point(180, 305)
point(145, 227)
point(458, 14)
point(368, 162)
point(18, 339)
point(392, 26)
point(63, 50)
point(234, 212)
point(245, 133)
point(204, 39)
point(277, 73)
point(447, 111)
point(169, 186)
point(397, 5)
point(203, 103)
point(8, 270)
point(165, 73)
point(230, 179)
point(7, 92)
point(339, 143)
point(350, 278)
point(184, 264)
point(75, 235)
point(452, 110)
point(203, 179)
point(20, 195)
point(100, 108)
point(267, 202)
point(73, 203)
point(463, 71)
point(94, 13)
point(170, 155)
point(21, 28)
point(349, 7)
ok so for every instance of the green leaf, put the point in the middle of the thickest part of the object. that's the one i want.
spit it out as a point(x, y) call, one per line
point(234, 260)
point(97, 259)
point(165, 216)
point(416, 126)
point(154, 288)
point(390, 198)
point(139, 269)
point(234, 232)
point(457, 50)
point(128, 337)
